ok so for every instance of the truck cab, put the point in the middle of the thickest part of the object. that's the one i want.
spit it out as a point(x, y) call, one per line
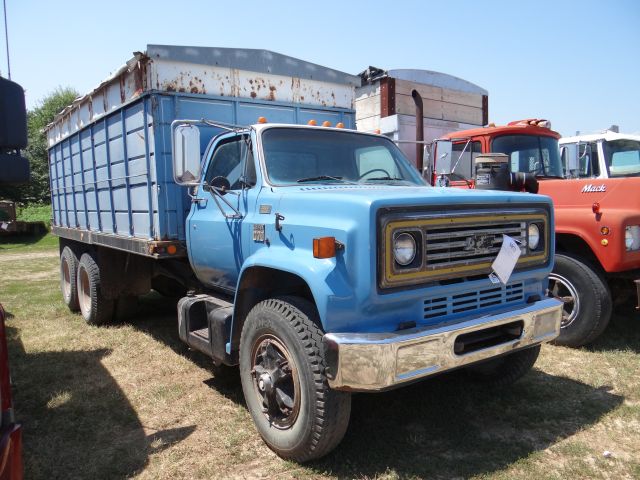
point(597, 214)
point(604, 155)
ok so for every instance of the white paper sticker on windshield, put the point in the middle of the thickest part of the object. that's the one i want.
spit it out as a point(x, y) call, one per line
point(507, 258)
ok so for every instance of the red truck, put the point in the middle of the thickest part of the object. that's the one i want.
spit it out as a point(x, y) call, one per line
point(597, 220)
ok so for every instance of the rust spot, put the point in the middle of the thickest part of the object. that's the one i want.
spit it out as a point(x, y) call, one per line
point(272, 93)
point(182, 90)
point(251, 81)
point(170, 88)
point(272, 88)
point(194, 90)
point(254, 94)
point(302, 98)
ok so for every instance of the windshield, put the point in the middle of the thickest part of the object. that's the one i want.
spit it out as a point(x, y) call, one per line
point(623, 158)
point(305, 155)
point(530, 154)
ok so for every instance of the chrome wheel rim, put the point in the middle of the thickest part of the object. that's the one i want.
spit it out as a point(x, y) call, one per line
point(562, 289)
point(84, 291)
point(275, 381)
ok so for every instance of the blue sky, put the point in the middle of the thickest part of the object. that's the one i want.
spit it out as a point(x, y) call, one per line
point(574, 63)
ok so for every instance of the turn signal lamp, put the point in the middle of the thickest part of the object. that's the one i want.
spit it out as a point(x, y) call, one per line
point(339, 125)
point(324, 247)
point(326, 123)
point(262, 120)
point(605, 230)
point(172, 249)
point(312, 122)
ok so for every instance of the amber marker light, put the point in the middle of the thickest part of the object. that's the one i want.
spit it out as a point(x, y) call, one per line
point(377, 131)
point(324, 247)
point(312, 122)
point(326, 123)
point(172, 249)
point(339, 125)
point(262, 120)
point(605, 230)
point(604, 242)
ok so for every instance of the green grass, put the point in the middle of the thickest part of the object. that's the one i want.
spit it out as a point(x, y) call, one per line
point(26, 244)
point(131, 400)
point(35, 213)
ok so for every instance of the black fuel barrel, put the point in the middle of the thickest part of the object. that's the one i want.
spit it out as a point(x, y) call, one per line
point(493, 172)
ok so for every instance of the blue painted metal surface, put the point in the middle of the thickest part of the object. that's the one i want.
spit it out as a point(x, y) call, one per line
point(345, 288)
point(115, 175)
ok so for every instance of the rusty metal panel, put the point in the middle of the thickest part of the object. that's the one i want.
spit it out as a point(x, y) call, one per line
point(172, 76)
point(223, 72)
point(388, 97)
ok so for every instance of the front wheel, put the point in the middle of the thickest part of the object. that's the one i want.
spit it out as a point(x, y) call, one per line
point(586, 301)
point(284, 384)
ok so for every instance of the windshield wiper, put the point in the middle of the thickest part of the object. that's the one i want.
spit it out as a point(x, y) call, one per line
point(383, 178)
point(320, 177)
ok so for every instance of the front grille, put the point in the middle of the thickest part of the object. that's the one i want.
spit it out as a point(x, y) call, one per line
point(464, 245)
point(457, 245)
point(468, 302)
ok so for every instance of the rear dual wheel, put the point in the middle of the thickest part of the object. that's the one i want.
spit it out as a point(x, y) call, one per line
point(96, 309)
point(68, 278)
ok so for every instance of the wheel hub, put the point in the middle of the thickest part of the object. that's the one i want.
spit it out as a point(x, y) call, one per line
point(563, 290)
point(276, 381)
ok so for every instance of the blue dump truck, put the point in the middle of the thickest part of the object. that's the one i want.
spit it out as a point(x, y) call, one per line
point(314, 257)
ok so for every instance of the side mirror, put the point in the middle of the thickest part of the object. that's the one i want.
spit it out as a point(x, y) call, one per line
point(570, 151)
point(443, 161)
point(187, 166)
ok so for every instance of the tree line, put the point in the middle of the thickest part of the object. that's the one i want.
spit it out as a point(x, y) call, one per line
point(37, 190)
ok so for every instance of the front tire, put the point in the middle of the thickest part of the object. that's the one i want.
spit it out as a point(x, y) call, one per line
point(68, 278)
point(282, 373)
point(505, 370)
point(586, 298)
point(95, 308)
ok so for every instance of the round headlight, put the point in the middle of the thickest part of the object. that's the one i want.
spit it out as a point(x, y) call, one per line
point(534, 236)
point(404, 248)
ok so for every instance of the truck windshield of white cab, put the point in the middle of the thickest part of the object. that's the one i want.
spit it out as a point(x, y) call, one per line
point(295, 156)
point(622, 158)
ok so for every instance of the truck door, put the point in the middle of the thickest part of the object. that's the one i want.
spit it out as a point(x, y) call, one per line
point(218, 234)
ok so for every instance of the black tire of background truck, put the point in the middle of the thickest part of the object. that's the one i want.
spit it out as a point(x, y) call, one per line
point(68, 278)
point(95, 308)
point(505, 370)
point(323, 414)
point(593, 300)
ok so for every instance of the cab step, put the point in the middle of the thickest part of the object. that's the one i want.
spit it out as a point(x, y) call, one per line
point(204, 323)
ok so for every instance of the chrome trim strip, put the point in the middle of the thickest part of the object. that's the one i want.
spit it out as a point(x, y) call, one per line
point(378, 361)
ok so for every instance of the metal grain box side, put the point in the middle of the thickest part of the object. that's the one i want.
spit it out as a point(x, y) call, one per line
point(112, 179)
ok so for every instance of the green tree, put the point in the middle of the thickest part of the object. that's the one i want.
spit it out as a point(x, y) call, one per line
point(37, 191)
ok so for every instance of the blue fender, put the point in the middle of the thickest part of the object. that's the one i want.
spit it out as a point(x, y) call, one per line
point(327, 279)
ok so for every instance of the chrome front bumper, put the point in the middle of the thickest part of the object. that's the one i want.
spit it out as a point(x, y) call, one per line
point(377, 361)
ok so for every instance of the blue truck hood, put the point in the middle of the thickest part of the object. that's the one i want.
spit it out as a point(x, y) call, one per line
point(387, 195)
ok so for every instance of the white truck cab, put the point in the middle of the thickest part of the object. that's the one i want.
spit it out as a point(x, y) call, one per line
point(602, 155)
